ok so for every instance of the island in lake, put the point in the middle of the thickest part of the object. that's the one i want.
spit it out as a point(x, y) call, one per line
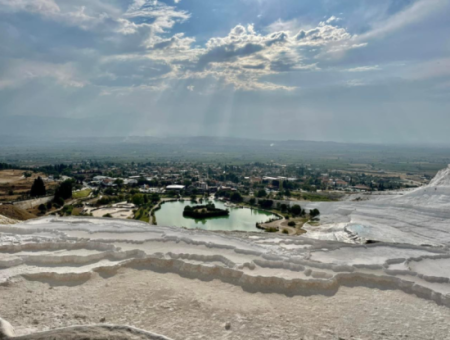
point(204, 211)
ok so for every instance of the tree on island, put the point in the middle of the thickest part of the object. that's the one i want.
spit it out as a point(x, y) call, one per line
point(38, 188)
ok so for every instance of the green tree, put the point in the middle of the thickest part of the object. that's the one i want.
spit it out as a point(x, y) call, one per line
point(119, 183)
point(42, 208)
point(38, 188)
point(252, 201)
point(261, 193)
point(137, 199)
point(314, 212)
point(296, 210)
point(154, 197)
point(64, 191)
point(236, 197)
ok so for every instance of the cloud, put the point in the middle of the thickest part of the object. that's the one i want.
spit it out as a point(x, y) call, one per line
point(364, 68)
point(416, 12)
point(22, 72)
point(333, 19)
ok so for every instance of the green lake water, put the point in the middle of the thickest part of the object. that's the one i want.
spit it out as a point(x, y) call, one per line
point(171, 214)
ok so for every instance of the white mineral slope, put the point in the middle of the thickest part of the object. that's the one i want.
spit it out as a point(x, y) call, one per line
point(420, 216)
point(74, 250)
point(7, 220)
point(98, 332)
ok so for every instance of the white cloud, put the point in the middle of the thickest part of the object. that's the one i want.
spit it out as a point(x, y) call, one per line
point(140, 41)
point(21, 72)
point(364, 68)
point(416, 12)
point(333, 19)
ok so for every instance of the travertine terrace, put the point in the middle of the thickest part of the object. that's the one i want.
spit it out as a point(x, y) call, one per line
point(407, 260)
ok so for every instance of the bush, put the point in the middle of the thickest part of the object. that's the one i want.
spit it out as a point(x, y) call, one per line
point(296, 210)
point(285, 231)
point(138, 199)
point(42, 208)
point(271, 230)
point(291, 224)
point(236, 197)
point(58, 201)
point(266, 204)
point(314, 212)
point(107, 215)
point(261, 193)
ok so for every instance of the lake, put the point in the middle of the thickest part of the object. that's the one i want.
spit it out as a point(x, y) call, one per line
point(171, 214)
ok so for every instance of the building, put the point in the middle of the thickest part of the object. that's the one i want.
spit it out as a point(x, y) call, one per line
point(175, 187)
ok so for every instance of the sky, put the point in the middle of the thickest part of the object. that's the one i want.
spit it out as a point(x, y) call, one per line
point(358, 71)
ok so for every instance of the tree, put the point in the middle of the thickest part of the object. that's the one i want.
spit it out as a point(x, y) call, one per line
point(27, 174)
point(283, 207)
point(119, 183)
point(154, 197)
point(64, 191)
point(38, 188)
point(261, 193)
point(252, 201)
point(266, 204)
point(137, 199)
point(236, 197)
point(296, 210)
point(314, 212)
point(42, 208)
point(58, 201)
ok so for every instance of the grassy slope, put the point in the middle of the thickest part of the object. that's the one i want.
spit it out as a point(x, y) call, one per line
point(16, 213)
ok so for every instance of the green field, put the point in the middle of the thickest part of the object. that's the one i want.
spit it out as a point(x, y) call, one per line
point(81, 194)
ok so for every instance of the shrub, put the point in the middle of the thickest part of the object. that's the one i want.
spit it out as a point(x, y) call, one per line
point(314, 212)
point(58, 201)
point(107, 215)
point(285, 231)
point(236, 197)
point(296, 210)
point(291, 224)
point(271, 230)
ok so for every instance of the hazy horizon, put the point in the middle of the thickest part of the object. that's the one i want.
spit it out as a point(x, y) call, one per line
point(342, 71)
